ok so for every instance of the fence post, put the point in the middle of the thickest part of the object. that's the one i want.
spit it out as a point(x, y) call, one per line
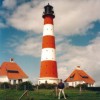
point(56, 90)
point(24, 87)
point(80, 89)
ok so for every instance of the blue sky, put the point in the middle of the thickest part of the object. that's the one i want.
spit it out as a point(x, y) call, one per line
point(77, 32)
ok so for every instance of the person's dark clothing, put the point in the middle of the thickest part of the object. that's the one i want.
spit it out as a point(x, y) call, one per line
point(60, 85)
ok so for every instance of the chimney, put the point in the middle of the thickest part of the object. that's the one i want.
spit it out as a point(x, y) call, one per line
point(78, 68)
point(11, 59)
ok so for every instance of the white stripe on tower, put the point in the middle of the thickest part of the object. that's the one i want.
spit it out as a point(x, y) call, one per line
point(48, 29)
point(48, 54)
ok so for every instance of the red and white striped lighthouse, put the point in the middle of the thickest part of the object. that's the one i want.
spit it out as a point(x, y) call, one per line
point(48, 68)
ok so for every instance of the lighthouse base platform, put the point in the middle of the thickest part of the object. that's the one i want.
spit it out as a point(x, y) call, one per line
point(48, 80)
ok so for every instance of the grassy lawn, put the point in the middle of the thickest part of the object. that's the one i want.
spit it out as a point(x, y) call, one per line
point(48, 95)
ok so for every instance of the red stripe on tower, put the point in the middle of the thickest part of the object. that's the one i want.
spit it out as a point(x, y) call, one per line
point(48, 70)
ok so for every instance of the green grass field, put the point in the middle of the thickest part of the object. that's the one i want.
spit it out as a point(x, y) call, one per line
point(48, 95)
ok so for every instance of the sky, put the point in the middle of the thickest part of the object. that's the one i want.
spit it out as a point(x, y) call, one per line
point(76, 29)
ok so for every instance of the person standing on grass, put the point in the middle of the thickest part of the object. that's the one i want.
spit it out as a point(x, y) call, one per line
point(61, 89)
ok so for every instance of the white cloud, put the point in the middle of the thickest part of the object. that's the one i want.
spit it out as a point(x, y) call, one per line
point(30, 46)
point(72, 16)
point(27, 18)
point(87, 57)
point(9, 4)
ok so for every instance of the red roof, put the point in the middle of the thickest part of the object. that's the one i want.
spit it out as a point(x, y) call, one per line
point(12, 70)
point(2, 73)
point(79, 75)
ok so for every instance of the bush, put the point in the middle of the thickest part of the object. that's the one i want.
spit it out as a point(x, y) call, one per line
point(93, 88)
point(5, 85)
point(14, 86)
point(83, 86)
point(47, 86)
point(70, 87)
point(25, 86)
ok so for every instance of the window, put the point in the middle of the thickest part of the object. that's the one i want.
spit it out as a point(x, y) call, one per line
point(14, 82)
point(39, 82)
point(19, 80)
point(45, 82)
point(12, 71)
point(9, 81)
point(84, 76)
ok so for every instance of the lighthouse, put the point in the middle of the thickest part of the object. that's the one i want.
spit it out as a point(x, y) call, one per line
point(48, 66)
